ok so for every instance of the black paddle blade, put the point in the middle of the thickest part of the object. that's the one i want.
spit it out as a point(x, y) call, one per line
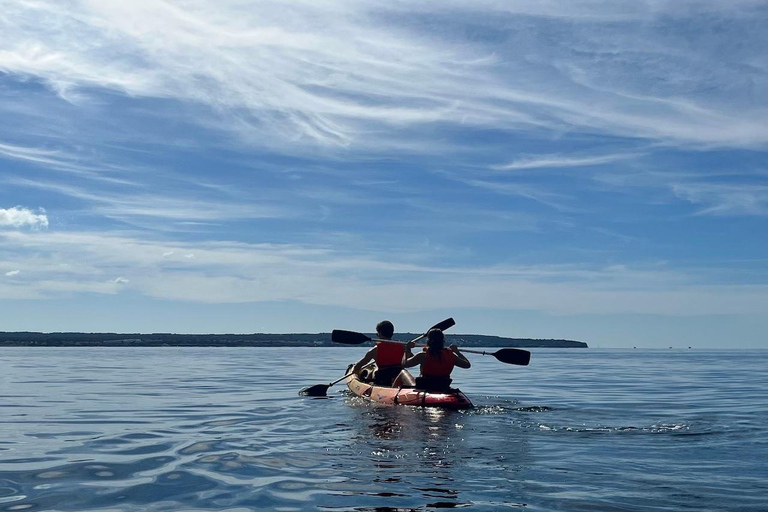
point(348, 337)
point(445, 324)
point(513, 356)
point(316, 390)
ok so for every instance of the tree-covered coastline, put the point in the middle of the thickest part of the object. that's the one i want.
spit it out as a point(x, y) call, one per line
point(87, 339)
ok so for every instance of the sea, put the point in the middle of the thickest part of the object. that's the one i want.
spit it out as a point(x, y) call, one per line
point(224, 429)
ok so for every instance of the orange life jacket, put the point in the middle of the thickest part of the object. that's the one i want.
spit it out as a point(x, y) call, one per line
point(389, 354)
point(437, 367)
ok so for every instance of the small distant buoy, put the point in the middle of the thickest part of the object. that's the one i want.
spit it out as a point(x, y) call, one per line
point(670, 347)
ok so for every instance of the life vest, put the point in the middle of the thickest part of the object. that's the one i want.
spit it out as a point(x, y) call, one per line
point(389, 354)
point(437, 367)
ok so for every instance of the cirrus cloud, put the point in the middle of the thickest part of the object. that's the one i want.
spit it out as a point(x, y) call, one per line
point(348, 74)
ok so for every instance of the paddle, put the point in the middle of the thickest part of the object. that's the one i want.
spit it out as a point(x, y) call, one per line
point(322, 389)
point(357, 338)
point(505, 355)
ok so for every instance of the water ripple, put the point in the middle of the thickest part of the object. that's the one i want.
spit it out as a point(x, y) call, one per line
point(599, 432)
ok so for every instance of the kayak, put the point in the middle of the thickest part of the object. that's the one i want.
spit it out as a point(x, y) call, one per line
point(451, 398)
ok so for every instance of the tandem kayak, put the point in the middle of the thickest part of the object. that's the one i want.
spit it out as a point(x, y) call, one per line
point(450, 398)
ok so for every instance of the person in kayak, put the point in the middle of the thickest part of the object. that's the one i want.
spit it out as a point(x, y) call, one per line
point(437, 362)
point(388, 357)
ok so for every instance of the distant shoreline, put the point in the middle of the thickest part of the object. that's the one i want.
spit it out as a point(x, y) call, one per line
point(89, 339)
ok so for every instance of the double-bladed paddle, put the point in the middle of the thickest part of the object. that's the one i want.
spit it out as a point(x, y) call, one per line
point(358, 338)
point(505, 355)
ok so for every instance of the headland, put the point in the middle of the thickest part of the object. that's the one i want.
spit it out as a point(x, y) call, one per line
point(91, 339)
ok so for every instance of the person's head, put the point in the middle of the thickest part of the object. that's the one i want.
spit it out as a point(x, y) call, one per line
point(435, 341)
point(385, 329)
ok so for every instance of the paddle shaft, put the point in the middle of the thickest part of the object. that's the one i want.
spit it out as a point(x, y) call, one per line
point(445, 324)
point(505, 355)
point(350, 374)
point(483, 352)
point(358, 338)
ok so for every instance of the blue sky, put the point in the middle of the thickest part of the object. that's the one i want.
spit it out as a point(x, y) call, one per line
point(589, 170)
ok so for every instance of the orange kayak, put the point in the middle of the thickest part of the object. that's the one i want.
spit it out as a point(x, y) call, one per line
point(449, 399)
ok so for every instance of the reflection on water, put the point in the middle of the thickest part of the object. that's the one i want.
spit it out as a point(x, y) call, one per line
point(429, 456)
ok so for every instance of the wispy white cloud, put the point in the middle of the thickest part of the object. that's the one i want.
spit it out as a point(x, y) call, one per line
point(348, 74)
point(62, 160)
point(178, 207)
point(557, 161)
point(540, 194)
point(13, 273)
point(714, 192)
point(590, 10)
point(725, 199)
point(36, 155)
point(225, 272)
point(19, 217)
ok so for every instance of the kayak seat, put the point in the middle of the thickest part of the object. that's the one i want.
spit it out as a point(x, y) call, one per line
point(366, 375)
point(384, 376)
point(434, 383)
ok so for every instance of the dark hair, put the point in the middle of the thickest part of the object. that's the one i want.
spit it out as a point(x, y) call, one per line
point(436, 342)
point(385, 328)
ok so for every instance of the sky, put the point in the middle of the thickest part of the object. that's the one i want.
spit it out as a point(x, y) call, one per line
point(589, 170)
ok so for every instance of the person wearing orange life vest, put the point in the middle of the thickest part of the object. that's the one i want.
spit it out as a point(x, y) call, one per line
point(388, 357)
point(437, 362)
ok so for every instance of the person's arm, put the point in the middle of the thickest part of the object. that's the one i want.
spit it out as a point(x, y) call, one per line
point(407, 353)
point(459, 359)
point(369, 356)
point(409, 359)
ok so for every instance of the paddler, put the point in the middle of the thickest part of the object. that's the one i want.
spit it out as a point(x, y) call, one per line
point(437, 362)
point(388, 357)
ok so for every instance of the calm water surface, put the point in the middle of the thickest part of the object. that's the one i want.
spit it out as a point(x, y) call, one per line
point(203, 429)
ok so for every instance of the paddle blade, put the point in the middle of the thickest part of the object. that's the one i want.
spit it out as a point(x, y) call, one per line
point(316, 390)
point(445, 324)
point(348, 337)
point(513, 356)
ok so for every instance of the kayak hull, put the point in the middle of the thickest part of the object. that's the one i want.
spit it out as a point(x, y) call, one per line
point(450, 399)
